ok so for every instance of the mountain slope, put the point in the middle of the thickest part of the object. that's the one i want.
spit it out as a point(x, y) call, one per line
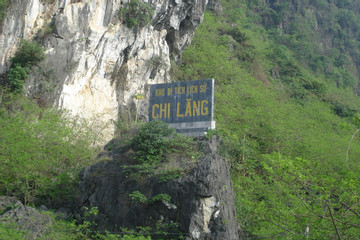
point(287, 108)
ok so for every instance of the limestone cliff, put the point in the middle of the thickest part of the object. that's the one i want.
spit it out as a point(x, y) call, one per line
point(94, 63)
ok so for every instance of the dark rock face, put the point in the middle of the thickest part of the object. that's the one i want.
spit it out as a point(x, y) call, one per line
point(25, 218)
point(202, 201)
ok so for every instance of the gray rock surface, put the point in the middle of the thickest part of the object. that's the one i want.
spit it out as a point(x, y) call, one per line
point(202, 201)
point(27, 219)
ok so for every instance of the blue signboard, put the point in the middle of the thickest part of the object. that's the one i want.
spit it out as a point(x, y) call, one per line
point(179, 102)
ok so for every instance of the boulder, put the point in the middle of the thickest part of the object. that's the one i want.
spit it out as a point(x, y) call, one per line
point(27, 219)
point(202, 199)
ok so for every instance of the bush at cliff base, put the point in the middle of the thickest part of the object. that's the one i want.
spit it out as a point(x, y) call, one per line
point(41, 151)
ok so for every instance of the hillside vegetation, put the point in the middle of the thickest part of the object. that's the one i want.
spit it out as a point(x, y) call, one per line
point(287, 108)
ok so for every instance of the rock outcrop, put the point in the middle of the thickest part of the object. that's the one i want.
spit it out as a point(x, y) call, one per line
point(13, 214)
point(95, 64)
point(201, 205)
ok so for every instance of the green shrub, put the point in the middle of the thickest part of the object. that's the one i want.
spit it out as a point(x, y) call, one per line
point(152, 142)
point(136, 13)
point(17, 76)
point(124, 125)
point(3, 6)
point(160, 197)
point(237, 35)
point(166, 175)
point(28, 55)
point(138, 197)
point(137, 170)
point(42, 151)
point(11, 231)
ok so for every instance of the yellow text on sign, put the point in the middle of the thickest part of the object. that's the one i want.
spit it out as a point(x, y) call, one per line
point(161, 110)
point(193, 108)
point(160, 92)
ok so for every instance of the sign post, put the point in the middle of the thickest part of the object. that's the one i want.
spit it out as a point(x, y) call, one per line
point(186, 106)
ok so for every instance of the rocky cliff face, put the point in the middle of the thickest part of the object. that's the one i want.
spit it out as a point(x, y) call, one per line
point(201, 205)
point(95, 64)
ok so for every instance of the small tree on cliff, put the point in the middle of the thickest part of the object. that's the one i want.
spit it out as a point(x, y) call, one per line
point(136, 13)
point(151, 143)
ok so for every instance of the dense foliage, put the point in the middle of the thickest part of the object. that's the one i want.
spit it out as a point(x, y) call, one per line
point(286, 106)
point(151, 143)
point(136, 14)
point(60, 229)
point(155, 142)
point(41, 154)
point(3, 6)
point(42, 151)
point(27, 55)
